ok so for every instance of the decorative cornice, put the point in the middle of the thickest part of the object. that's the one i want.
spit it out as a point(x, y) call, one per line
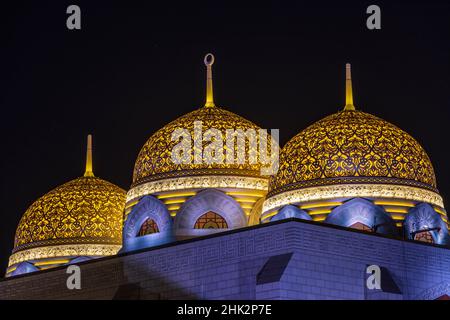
point(63, 251)
point(351, 191)
point(351, 180)
point(197, 182)
point(68, 241)
point(199, 172)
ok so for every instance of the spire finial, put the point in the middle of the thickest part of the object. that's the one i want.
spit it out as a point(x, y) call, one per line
point(209, 60)
point(348, 88)
point(89, 172)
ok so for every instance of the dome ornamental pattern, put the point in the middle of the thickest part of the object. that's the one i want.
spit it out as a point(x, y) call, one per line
point(352, 146)
point(81, 218)
point(207, 151)
point(155, 158)
point(156, 172)
point(84, 210)
point(155, 162)
point(349, 155)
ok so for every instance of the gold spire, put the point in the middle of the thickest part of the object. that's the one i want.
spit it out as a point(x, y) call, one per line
point(209, 60)
point(348, 88)
point(89, 172)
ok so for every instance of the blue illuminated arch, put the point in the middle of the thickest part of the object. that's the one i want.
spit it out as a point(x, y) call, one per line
point(80, 259)
point(423, 217)
point(203, 202)
point(365, 212)
point(23, 268)
point(291, 211)
point(148, 208)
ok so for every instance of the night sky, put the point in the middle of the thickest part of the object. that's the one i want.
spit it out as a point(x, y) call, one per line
point(134, 67)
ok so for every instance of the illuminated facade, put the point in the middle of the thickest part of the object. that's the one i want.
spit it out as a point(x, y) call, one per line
point(353, 169)
point(350, 169)
point(77, 221)
point(184, 193)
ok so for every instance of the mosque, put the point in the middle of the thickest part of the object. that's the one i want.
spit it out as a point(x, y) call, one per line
point(351, 179)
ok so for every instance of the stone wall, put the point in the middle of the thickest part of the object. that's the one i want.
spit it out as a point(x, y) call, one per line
point(290, 259)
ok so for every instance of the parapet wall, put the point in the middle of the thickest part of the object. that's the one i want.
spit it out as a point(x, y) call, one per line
point(290, 259)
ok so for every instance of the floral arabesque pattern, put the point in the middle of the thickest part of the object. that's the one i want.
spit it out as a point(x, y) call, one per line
point(84, 210)
point(355, 145)
point(155, 158)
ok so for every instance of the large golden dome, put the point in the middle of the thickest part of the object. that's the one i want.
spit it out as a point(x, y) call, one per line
point(206, 131)
point(155, 158)
point(352, 147)
point(82, 217)
point(155, 171)
point(352, 154)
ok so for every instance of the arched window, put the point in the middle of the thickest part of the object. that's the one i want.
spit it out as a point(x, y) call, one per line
point(148, 227)
point(361, 226)
point(424, 236)
point(210, 220)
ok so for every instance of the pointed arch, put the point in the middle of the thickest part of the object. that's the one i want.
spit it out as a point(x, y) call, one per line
point(365, 213)
point(210, 200)
point(148, 209)
point(424, 219)
point(291, 211)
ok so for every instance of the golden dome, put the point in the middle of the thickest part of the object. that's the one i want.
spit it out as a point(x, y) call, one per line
point(155, 158)
point(154, 161)
point(86, 211)
point(352, 147)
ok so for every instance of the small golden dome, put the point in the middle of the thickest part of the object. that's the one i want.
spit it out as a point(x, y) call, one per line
point(352, 147)
point(83, 215)
point(154, 161)
point(84, 210)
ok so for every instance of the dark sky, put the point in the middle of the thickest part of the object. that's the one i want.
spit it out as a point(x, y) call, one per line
point(136, 66)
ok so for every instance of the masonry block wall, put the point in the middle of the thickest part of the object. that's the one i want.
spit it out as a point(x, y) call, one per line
point(290, 259)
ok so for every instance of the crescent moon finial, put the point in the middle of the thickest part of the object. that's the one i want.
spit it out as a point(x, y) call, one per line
point(209, 60)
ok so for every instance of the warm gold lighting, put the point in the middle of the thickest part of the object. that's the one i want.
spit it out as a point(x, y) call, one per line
point(268, 215)
point(200, 182)
point(396, 210)
point(51, 262)
point(397, 217)
point(352, 191)
point(84, 201)
point(209, 60)
point(175, 195)
point(91, 250)
point(438, 210)
point(83, 214)
point(11, 269)
point(348, 88)
point(246, 193)
point(316, 212)
point(175, 201)
point(246, 200)
point(394, 203)
point(89, 172)
point(319, 205)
